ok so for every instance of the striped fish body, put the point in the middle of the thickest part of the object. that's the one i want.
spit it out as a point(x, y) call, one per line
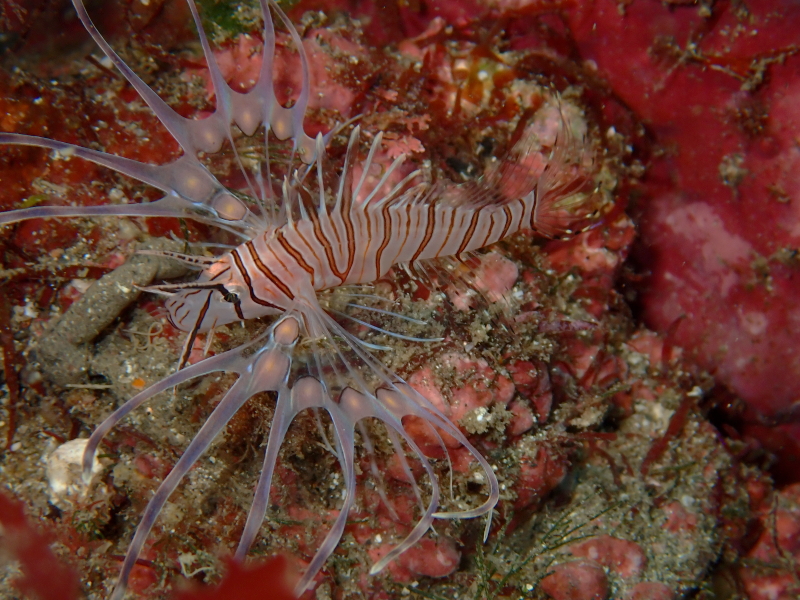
point(360, 246)
point(359, 241)
point(419, 232)
point(266, 275)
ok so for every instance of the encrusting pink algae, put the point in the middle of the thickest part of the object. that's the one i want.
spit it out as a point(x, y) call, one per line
point(613, 482)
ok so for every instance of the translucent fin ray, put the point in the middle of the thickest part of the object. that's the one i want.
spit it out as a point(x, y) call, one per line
point(338, 375)
point(192, 190)
point(265, 370)
point(228, 361)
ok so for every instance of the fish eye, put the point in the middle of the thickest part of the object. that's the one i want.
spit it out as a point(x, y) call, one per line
point(228, 296)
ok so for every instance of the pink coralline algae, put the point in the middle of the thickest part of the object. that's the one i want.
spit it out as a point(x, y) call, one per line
point(613, 482)
point(770, 570)
point(718, 89)
point(650, 590)
point(429, 558)
point(276, 574)
point(624, 557)
point(576, 580)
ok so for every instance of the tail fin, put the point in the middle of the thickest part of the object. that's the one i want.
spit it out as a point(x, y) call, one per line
point(565, 186)
point(559, 184)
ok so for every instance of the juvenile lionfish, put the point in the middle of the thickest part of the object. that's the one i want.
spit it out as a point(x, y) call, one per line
point(299, 236)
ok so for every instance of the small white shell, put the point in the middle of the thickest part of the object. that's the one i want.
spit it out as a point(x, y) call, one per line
point(64, 471)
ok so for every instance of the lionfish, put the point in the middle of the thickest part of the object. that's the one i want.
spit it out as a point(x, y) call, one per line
point(299, 237)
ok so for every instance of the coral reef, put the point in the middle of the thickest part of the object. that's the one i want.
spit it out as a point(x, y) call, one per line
point(720, 228)
point(614, 484)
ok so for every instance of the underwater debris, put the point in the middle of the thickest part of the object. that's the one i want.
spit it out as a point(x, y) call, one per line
point(61, 354)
